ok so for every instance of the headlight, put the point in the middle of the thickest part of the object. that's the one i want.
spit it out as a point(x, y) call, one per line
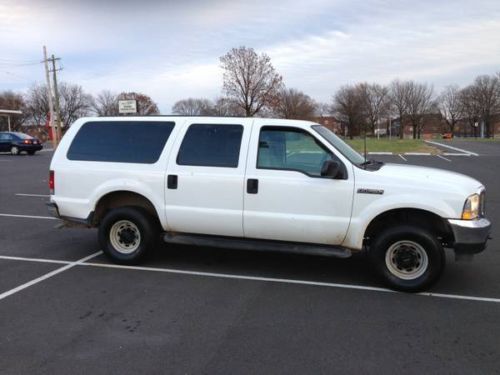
point(472, 206)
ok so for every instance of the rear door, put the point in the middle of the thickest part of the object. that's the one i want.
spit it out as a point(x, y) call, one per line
point(286, 198)
point(205, 178)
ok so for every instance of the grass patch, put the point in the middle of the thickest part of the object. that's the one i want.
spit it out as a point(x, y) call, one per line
point(395, 145)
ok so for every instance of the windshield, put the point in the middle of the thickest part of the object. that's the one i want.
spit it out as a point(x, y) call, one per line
point(346, 150)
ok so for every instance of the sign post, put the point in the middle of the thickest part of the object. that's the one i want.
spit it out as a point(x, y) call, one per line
point(127, 106)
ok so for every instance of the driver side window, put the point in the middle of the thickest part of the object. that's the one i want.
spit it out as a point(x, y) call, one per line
point(292, 149)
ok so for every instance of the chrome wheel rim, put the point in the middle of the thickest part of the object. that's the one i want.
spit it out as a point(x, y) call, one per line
point(125, 237)
point(14, 150)
point(406, 260)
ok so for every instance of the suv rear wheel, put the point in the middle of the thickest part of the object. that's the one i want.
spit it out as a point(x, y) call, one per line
point(408, 258)
point(126, 234)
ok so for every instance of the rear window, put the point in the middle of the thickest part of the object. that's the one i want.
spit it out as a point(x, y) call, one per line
point(22, 135)
point(120, 141)
point(211, 145)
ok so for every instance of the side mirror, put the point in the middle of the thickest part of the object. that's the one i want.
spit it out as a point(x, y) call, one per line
point(330, 169)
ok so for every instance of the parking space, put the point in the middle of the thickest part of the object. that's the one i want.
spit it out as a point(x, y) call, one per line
point(202, 310)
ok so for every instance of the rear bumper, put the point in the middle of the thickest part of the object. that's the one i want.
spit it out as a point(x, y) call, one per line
point(69, 221)
point(24, 147)
point(53, 210)
point(470, 235)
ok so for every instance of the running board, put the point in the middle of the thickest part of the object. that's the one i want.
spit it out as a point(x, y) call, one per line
point(256, 245)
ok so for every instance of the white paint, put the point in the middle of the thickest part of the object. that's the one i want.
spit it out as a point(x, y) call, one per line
point(288, 281)
point(455, 154)
point(442, 157)
point(380, 153)
point(418, 153)
point(82, 261)
point(39, 260)
point(452, 148)
point(47, 276)
point(33, 195)
point(402, 157)
point(30, 216)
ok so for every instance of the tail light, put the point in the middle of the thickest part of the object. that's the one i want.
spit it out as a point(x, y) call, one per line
point(52, 183)
point(27, 141)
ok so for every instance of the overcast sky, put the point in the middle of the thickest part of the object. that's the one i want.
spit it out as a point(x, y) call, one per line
point(170, 49)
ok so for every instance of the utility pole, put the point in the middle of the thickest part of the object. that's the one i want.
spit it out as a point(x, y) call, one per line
point(49, 97)
point(56, 94)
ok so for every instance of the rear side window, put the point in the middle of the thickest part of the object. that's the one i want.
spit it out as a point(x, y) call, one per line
point(120, 141)
point(209, 145)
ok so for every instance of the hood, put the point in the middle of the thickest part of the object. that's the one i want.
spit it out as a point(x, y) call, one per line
point(428, 178)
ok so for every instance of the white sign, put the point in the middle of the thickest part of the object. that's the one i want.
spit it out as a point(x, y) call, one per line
point(127, 106)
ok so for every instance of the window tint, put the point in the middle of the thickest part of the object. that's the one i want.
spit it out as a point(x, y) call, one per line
point(291, 149)
point(120, 141)
point(4, 137)
point(210, 145)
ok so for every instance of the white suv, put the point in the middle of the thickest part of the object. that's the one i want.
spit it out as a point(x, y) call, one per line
point(263, 184)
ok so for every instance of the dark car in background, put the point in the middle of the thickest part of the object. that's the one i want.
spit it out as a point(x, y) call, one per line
point(15, 143)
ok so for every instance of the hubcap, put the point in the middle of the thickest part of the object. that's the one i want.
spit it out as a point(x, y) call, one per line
point(406, 260)
point(14, 150)
point(125, 236)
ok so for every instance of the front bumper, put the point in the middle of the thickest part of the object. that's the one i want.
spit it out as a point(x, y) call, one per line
point(470, 235)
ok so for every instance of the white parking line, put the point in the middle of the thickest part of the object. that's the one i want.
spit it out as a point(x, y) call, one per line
point(82, 261)
point(442, 157)
point(402, 157)
point(30, 216)
point(33, 195)
point(455, 154)
point(418, 153)
point(47, 276)
point(452, 148)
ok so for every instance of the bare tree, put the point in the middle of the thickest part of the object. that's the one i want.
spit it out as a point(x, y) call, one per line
point(227, 107)
point(294, 104)
point(399, 102)
point(145, 105)
point(470, 108)
point(193, 107)
point(486, 94)
point(375, 101)
point(451, 106)
point(419, 103)
point(75, 103)
point(105, 104)
point(348, 108)
point(249, 79)
point(12, 101)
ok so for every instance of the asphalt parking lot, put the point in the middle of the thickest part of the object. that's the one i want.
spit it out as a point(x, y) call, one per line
point(64, 309)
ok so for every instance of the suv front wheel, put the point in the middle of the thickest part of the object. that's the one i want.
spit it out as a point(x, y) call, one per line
point(126, 234)
point(408, 258)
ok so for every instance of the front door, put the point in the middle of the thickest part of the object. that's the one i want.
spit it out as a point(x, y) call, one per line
point(286, 198)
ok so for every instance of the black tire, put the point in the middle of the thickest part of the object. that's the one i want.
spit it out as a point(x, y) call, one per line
point(409, 258)
point(126, 234)
point(31, 153)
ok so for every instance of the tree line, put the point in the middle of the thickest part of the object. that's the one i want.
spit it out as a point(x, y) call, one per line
point(252, 87)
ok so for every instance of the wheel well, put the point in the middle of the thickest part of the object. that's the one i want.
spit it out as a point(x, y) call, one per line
point(421, 218)
point(121, 199)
